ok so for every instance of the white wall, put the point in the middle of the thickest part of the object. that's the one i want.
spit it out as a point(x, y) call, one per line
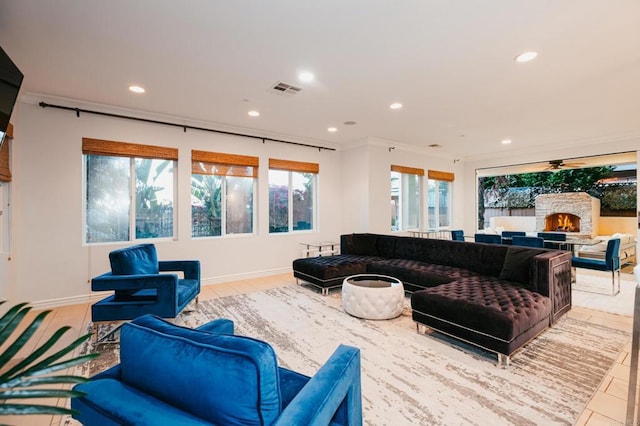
point(51, 265)
point(367, 186)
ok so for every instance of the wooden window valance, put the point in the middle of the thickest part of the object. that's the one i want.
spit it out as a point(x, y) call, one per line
point(436, 175)
point(5, 172)
point(407, 170)
point(127, 149)
point(221, 164)
point(294, 166)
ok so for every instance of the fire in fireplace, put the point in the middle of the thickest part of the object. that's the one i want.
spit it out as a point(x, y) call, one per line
point(562, 222)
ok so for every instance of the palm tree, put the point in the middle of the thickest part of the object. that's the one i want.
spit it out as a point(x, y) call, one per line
point(25, 379)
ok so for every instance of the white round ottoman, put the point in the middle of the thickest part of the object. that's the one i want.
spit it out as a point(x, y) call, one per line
point(371, 296)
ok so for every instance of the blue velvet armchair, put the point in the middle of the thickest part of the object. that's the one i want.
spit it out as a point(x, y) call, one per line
point(141, 285)
point(170, 375)
point(610, 263)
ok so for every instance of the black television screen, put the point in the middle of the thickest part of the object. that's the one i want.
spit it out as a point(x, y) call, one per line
point(10, 82)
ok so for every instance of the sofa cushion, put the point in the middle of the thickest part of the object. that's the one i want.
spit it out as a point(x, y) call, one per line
point(365, 244)
point(224, 379)
point(329, 267)
point(409, 271)
point(135, 260)
point(486, 305)
point(518, 266)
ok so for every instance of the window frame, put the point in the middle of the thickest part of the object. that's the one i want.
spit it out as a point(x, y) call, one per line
point(131, 151)
point(295, 167)
point(403, 209)
point(225, 166)
point(438, 177)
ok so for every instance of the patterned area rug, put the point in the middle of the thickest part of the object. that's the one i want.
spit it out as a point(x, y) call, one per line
point(411, 379)
point(593, 290)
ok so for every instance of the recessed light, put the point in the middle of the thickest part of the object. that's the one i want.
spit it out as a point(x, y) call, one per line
point(332, 129)
point(253, 113)
point(305, 76)
point(506, 141)
point(395, 105)
point(137, 89)
point(526, 57)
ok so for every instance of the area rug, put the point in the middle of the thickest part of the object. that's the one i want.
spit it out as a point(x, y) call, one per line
point(593, 290)
point(414, 379)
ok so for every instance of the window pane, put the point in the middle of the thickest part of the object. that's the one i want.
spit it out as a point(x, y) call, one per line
point(206, 205)
point(108, 195)
point(395, 201)
point(239, 216)
point(278, 201)
point(411, 195)
point(302, 200)
point(154, 198)
point(432, 199)
point(444, 195)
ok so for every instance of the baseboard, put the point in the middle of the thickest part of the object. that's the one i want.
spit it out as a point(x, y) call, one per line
point(94, 297)
point(66, 301)
point(244, 276)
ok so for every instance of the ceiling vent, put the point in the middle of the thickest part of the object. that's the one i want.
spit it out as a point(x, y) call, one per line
point(285, 88)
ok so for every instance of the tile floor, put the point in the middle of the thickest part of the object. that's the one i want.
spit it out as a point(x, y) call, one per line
point(606, 407)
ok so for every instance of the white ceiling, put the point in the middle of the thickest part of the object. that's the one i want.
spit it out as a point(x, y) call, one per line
point(450, 63)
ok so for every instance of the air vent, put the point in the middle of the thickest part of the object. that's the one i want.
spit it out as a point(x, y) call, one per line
point(285, 88)
point(435, 145)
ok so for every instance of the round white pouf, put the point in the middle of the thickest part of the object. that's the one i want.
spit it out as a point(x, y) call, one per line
point(371, 296)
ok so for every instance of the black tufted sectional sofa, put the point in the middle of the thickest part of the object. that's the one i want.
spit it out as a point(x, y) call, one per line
point(495, 296)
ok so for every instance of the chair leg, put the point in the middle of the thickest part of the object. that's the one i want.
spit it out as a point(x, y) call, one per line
point(613, 282)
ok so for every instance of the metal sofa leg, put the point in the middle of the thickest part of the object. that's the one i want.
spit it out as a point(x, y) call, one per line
point(325, 291)
point(504, 360)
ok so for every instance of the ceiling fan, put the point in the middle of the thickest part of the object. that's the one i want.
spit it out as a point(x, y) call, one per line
point(555, 165)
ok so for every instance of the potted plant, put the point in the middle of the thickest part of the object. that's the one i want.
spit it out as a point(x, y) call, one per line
point(31, 376)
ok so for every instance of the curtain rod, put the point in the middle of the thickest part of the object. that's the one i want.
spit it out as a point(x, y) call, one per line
point(183, 126)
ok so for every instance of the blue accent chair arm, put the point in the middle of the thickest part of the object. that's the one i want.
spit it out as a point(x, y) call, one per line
point(335, 385)
point(114, 372)
point(218, 326)
point(190, 268)
point(133, 282)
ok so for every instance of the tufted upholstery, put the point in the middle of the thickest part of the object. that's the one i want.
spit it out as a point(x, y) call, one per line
point(373, 302)
point(486, 305)
point(492, 295)
point(329, 271)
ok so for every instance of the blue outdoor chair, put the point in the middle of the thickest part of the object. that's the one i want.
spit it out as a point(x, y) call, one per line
point(550, 238)
point(508, 235)
point(457, 235)
point(611, 263)
point(488, 238)
point(520, 240)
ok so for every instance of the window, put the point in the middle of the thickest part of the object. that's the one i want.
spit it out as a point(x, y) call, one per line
point(439, 199)
point(291, 195)
point(405, 197)
point(222, 188)
point(115, 171)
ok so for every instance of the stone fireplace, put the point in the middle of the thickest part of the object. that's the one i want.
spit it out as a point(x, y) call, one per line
point(576, 213)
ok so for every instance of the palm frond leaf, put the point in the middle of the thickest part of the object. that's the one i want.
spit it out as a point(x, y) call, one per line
point(26, 409)
point(17, 381)
point(40, 393)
